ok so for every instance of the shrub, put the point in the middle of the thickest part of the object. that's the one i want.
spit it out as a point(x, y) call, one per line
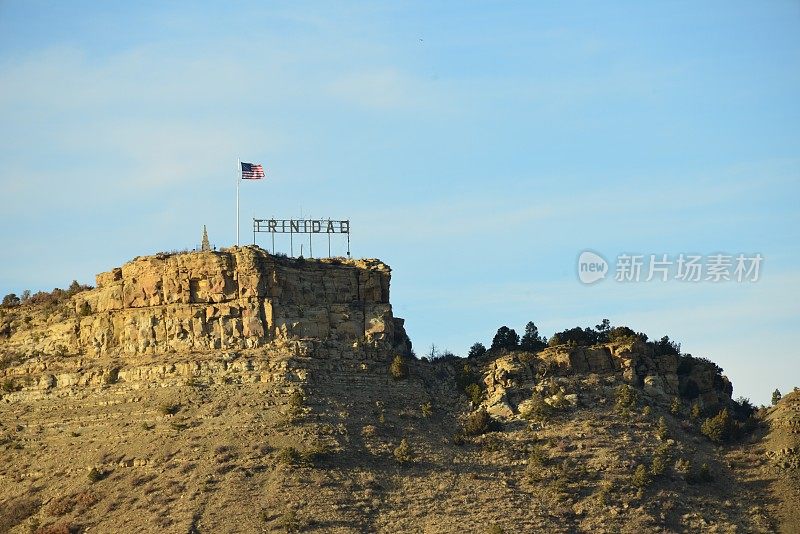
point(465, 377)
point(15, 511)
point(85, 499)
point(61, 506)
point(474, 393)
point(537, 408)
point(194, 382)
point(662, 432)
point(289, 456)
point(398, 368)
point(289, 520)
point(660, 461)
point(739, 429)
point(85, 309)
point(505, 338)
point(776, 396)
point(8, 386)
point(296, 402)
point(641, 477)
point(64, 505)
point(403, 452)
point(479, 422)
point(426, 409)
point(743, 408)
point(559, 401)
point(96, 475)
point(537, 458)
point(476, 350)
point(10, 300)
point(58, 528)
point(696, 412)
point(575, 336)
point(51, 300)
point(698, 476)
point(627, 397)
point(623, 334)
point(718, 428)
point(604, 491)
point(169, 409)
point(675, 407)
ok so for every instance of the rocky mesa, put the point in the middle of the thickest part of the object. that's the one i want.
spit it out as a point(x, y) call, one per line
point(243, 298)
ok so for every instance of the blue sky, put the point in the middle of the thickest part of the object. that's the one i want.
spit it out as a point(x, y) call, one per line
point(477, 147)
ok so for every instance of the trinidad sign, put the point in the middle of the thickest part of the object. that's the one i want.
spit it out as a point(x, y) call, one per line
point(302, 226)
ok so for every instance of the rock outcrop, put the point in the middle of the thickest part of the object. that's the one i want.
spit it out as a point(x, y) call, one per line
point(234, 299)
point(511, 377)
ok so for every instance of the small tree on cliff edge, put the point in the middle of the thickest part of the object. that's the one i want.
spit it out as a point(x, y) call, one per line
point(531, 340)
point(603, 330)
point(776, 396)
point(505, 338)
point(476, 351)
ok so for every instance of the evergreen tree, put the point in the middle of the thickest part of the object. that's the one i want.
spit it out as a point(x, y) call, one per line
point(776, 396)
point(476, 350)
point(531, 340)
point(603, 330)
point(505, 338)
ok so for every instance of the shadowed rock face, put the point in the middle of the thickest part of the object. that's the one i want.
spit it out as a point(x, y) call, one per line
point(235, 299)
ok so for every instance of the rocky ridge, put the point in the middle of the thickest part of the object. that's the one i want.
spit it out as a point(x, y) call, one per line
point(510, 378)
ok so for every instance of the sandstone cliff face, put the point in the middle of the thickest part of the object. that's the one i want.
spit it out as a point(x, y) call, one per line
point(236, 299)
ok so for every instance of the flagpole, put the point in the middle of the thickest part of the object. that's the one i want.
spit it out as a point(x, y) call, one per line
point(238, 179)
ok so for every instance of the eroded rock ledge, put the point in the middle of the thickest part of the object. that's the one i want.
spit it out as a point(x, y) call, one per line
point(239, 298)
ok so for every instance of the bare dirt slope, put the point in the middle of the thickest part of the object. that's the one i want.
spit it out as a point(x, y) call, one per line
point(220, 453)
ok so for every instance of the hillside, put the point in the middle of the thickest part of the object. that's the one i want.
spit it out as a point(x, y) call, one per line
point(237, 391)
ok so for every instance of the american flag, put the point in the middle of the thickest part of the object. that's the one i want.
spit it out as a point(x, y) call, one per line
point(252, 171)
